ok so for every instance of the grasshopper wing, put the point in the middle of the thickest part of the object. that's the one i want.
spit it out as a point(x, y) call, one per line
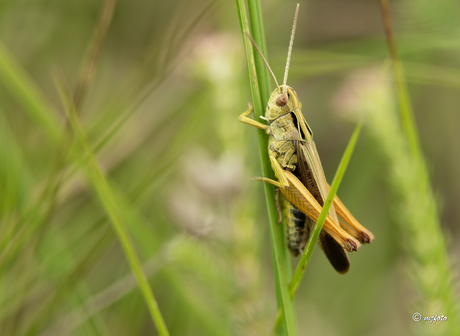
point(334, 252)
point(312, 176)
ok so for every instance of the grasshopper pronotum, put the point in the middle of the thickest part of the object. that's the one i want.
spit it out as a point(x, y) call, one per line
point(300, 175)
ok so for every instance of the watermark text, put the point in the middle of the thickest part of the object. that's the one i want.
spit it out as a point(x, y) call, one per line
point(432, 319)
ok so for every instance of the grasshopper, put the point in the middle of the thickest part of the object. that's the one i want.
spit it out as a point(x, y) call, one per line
point(301, 178)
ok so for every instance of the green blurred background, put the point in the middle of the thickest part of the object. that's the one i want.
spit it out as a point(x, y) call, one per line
point(161, 113)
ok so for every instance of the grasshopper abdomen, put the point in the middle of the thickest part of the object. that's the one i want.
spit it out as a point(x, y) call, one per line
point(297, 232)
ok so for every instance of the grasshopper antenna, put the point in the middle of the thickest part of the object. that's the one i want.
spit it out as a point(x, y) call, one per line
point(291, 43)
point(263, 59)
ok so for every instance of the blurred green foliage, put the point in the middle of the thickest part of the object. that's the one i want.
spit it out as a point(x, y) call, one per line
point(160, 114)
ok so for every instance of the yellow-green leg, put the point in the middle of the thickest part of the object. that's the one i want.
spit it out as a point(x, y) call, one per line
point(244, 119)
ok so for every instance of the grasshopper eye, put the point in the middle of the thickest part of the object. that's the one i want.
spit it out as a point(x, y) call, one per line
point(282, 100)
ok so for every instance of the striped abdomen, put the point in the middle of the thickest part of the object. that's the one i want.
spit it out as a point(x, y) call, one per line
point(297, 230)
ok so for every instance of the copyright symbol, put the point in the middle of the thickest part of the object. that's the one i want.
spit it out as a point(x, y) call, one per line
point(416, 317)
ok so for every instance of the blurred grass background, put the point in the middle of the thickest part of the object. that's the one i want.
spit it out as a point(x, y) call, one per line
point(161, 115)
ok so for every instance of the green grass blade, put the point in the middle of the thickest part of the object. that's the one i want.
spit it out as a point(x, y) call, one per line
point(405, 106)
point(303, 262)
point(431, 271)
point(109, 202)
point(259, 93)
point(21, 87)
point(428, 267)
point(15, 177)
point(258, 34)
point(302, 265)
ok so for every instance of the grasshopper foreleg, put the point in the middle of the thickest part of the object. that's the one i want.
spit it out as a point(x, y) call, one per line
point(245, 119)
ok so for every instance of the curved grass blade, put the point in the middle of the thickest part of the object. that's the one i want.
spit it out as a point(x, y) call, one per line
point(109, 202)
point(303, 262)
point(22, 88)
point(416, 187)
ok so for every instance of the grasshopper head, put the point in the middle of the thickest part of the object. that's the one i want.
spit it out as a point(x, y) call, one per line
point(283, 100)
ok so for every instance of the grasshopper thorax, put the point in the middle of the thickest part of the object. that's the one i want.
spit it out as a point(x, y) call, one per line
point(282, 101)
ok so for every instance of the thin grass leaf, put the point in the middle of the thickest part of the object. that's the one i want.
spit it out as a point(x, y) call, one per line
point(15, 177)
point(258, 34)
point(260, 93)
point(109, 202)
point(89, 68)
point(431, 271)
point(37, 226)
point(303, 262)
point(42, 211)
point(405, 106)
point(211, 320)
point(22, 88)
point(414, 203)
point(148, 243)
